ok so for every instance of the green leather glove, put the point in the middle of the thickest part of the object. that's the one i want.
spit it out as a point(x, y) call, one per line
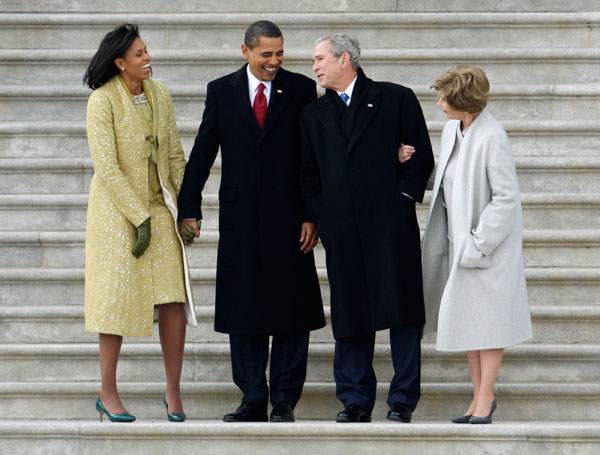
point(142, 238)
point(188, 233)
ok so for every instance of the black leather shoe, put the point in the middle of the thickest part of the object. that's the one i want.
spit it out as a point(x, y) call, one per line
point(247, 412)
point(399, 413)
point(282, 412)
point(353, 413)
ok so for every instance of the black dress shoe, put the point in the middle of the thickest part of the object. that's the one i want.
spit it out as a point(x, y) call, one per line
point(399, 413)
point(353, 413)
point(247, 412)
point(282, 412)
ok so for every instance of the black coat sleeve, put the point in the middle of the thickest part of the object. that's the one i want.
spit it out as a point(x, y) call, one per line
point(310, 177)
point(415, 172)
point(202, 157)
point(309, 95)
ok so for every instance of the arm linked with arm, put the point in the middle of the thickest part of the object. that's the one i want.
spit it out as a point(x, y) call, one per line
point(415, 172)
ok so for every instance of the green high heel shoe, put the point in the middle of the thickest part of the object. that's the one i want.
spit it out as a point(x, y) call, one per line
point(173, 416)
point(112, 417)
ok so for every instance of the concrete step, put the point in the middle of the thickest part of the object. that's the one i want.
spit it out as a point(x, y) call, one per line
point(527, 363)
point(292, 6)
point(575, 174)
point(64, 286)
point(58, 139)
point(411, 66)
point(372, 29)
point(53, 212)
point(301, 438)
point(507, 102)
point(574, 248)
point(203, 400)
point(49, 322)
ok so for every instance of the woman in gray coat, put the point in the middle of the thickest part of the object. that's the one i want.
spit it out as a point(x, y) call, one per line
point(473, 272)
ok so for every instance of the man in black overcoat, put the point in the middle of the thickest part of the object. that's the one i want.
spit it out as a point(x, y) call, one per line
point(363, 199)
point(267, 284)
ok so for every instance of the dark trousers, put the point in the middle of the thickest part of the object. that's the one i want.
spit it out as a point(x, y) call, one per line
point(249, 356)
point(355, 378)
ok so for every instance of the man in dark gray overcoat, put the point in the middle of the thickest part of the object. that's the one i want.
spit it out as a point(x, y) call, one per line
point(267, 284)
point(363, 199)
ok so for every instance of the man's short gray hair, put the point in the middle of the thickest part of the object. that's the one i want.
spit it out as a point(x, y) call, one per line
point(340, 43)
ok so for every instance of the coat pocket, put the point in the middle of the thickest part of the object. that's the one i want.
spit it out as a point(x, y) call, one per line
point(472, 257)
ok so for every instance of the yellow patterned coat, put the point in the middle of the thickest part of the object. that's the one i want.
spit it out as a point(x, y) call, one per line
point(120, 290)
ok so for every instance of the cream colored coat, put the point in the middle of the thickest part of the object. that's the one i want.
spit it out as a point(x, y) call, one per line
point(118, 287)
point(481, 298)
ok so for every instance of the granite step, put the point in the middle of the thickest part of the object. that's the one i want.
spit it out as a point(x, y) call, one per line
point(52, 212)
point(301, 438)
point(292, 6)
point(559, 402)
point(63, 322)
point(372, 29)
point(64, 286)
point(61, 139)
point(558, 248)
point(574, 174)
point(506, 102)
point(210, 362)
point(412, 66)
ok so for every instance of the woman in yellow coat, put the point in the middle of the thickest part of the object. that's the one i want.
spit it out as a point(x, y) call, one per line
point(136, 266)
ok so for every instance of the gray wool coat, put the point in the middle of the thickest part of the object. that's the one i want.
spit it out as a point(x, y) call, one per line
point(479, 301)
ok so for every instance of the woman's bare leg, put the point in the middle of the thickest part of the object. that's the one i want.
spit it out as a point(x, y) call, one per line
point(475, 368)
point(171, 324)
point(490, 361)
point(110, 348)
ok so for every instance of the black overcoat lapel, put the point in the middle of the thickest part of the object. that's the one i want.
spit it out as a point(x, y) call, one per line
point(328, 116)
point(240, 98)
point(281, 95)
point(368, 105)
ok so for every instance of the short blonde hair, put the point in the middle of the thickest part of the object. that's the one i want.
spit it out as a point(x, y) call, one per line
point(464, 88)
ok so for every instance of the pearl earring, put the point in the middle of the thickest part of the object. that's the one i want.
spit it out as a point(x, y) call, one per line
point(123, 69)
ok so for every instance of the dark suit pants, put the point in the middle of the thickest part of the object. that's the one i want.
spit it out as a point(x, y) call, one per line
point(249, 356)
point(355, 378)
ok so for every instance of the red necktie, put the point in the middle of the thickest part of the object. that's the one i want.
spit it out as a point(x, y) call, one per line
point(260, 106)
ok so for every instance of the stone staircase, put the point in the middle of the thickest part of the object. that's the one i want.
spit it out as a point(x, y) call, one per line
point(544, 66)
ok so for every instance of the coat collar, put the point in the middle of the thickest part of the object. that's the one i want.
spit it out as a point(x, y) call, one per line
point(119, 85)
point(280, 96)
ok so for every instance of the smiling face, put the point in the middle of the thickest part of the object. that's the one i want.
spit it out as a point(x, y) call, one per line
point(136, 62)
point(266, 58)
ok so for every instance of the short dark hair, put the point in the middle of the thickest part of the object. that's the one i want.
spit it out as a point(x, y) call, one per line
point(102, 68)
point(261, 28)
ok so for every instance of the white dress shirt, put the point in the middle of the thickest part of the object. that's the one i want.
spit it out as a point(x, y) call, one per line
point(253, 84)
point(349, 90)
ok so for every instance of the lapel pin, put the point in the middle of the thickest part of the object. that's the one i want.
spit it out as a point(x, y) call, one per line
point(369, 105)
point(279, 91)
